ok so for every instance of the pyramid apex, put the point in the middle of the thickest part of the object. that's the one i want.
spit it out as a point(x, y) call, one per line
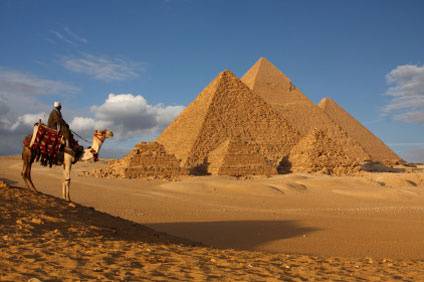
point(226, 72)
point(263, 59)
point(326, 101)
point(264, 68)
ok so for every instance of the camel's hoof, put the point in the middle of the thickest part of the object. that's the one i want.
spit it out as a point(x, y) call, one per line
point(72, 205)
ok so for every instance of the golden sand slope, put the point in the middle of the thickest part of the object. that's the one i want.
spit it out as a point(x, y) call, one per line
point(43, 237)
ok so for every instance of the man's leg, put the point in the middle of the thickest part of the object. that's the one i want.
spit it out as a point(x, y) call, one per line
point(34, 135)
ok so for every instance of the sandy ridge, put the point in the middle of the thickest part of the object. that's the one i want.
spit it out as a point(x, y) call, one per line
point(45, 238)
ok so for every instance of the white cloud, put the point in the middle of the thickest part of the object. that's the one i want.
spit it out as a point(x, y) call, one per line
point(26, 122)
point(12, 132)
point(127, 115)
point(75, 36)
point(101, 67)
point(66, 35)
point(20, 95)
point(20, 92)
point(406, 87)
point(83, 123)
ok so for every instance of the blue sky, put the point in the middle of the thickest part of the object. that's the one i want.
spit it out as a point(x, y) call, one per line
point(162, 53)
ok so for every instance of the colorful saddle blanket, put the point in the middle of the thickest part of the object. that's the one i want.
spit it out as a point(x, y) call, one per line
point(46, 144)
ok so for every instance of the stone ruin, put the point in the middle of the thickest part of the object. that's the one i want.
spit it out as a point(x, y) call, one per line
point(146, 160)
point(258, 125)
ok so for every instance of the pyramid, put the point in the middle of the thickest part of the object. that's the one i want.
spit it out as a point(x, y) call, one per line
point(145, 160)
point(239, 157)
point(265, 80)
point(371, 143)
point(227, 109)
point(317, 152)
point(272, 85)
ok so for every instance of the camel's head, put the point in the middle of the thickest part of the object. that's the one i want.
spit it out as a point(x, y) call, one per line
point(102, 135)
point(99, 138)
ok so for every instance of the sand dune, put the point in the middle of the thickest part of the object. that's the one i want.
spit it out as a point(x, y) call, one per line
point(283, 227)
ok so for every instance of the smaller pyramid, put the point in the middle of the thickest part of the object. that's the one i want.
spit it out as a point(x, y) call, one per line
point(239, 157)
point(146, 160)
point(376, 148)
point(317, 152)
point(273, 86)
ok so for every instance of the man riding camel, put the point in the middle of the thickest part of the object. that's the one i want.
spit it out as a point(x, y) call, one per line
point(56, 122)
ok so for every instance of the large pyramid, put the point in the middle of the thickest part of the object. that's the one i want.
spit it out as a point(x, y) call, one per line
point(272, 85)
point(275, 88)
point(225, 110)
point(371, 143)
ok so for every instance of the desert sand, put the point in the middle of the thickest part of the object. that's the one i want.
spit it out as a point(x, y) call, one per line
point(286, 227)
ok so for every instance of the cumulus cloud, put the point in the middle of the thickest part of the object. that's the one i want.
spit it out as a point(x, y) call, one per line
point(127, 115)
point(21, 106)
point(25, 122)
point(406, 89)
point(12, 132)
point(20, 92)
point(101, 67)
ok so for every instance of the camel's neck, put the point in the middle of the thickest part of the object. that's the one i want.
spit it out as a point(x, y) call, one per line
point(93, 151)
point(96, 144)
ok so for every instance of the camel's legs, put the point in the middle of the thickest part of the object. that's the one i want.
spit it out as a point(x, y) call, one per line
point(30, 178)
point(67, 164)
point(65, 189)
point(25, 164)
point(27, 159)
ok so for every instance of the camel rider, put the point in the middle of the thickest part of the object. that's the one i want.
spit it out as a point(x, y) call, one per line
point(56, 122)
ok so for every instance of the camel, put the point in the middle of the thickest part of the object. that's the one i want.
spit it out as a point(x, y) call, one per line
point(28, 157)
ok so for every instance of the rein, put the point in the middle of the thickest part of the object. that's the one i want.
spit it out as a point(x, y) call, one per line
point(82, 138)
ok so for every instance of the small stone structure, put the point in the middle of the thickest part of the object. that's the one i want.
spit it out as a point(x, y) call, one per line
point(146, 160)
point(317, 152)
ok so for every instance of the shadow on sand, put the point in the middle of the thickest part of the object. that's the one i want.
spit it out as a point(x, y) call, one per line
point(41, 214)
point(242, 235)
point(79, 222)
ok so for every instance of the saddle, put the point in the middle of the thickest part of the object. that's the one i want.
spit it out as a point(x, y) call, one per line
point(48, 146)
